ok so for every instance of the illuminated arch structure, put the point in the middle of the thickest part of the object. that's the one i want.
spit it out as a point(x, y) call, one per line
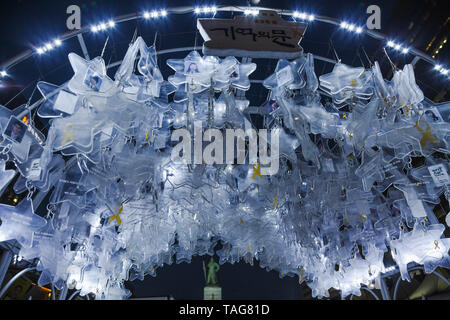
point(43, 52)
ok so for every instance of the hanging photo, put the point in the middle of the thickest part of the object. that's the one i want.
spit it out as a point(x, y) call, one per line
point(235, 74)
point(15, 130)
point(273, 106)
point(433, 115)
point(93, 80)
point(191, 67)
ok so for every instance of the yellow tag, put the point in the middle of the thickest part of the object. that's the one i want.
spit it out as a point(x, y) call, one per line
point(241, 221)
point(346, 220)
point(344, 116)
point(68, 134)
point(354, 83)
point(257, 171)
point(239, 250)
point(146, 135)
point(248, 247)
point(363, 217)
point(426, 134)
point(116, 216)
point(275, 203)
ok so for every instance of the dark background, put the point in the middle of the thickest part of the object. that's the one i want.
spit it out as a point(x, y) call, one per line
point(26, 24)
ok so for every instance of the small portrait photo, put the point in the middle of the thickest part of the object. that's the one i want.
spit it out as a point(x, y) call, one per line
point(273, 106)
point(93, 80)
point(15, 130)
point(432, 115)
point(191, 67)
point(235, 74)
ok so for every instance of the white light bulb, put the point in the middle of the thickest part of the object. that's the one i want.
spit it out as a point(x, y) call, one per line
point(154, 14)
point(397, 47)
point(295, 14)
point(405, 50)
point(437, 67)
point(444, 71)
point(163, 13)
point(351, 27)
point(103, 26)
point(3, 73)
point(40, 50)
point(311, 17)
point(358, 30)
point(390, 44)
point(57, 42)
point(146, 15)
point(302, 16)
point(49, 46)
point(111, 24)
point(246, 12)
point(197, 10)
point(213, 9)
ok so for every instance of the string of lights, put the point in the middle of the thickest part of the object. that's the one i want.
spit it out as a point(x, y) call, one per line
point(249, 11)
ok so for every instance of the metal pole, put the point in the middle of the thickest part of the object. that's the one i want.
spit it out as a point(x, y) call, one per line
point(384, 289)
point(63, 293)
point(17, 276)
point(5, 261)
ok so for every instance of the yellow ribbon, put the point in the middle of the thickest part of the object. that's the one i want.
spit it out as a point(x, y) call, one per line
point(363, 217)
point(275, 203)
point(257, 171)
point(436, 244)
point(344, 116)
point(116, 216)
point(68, 134)
point(146, 135)
point(426, 135)
point(354, 83)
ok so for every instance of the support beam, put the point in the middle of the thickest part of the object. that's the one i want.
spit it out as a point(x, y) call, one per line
point(83, 46)
point(384, 289)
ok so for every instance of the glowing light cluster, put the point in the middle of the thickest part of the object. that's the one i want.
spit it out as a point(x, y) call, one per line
point(206, 9)
point(154, 14)
point(397, 47)
point(303, 16)
point(49, 46)
point(251, 12)
point(103, 26)
point(351, 27)
point(441, 70)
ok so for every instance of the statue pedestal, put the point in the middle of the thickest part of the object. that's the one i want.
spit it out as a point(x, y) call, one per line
point(212, 293)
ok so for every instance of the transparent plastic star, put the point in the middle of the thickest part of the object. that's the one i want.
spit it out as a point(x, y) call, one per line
point(90, 76)
point(287, 75)
point(422, 245)
point(51, 94)
point(5, 175)
point(19, 222)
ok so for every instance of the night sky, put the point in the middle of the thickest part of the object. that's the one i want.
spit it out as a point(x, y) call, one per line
point(29, 23)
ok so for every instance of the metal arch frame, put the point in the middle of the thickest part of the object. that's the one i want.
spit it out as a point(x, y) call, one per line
point(190, 9)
